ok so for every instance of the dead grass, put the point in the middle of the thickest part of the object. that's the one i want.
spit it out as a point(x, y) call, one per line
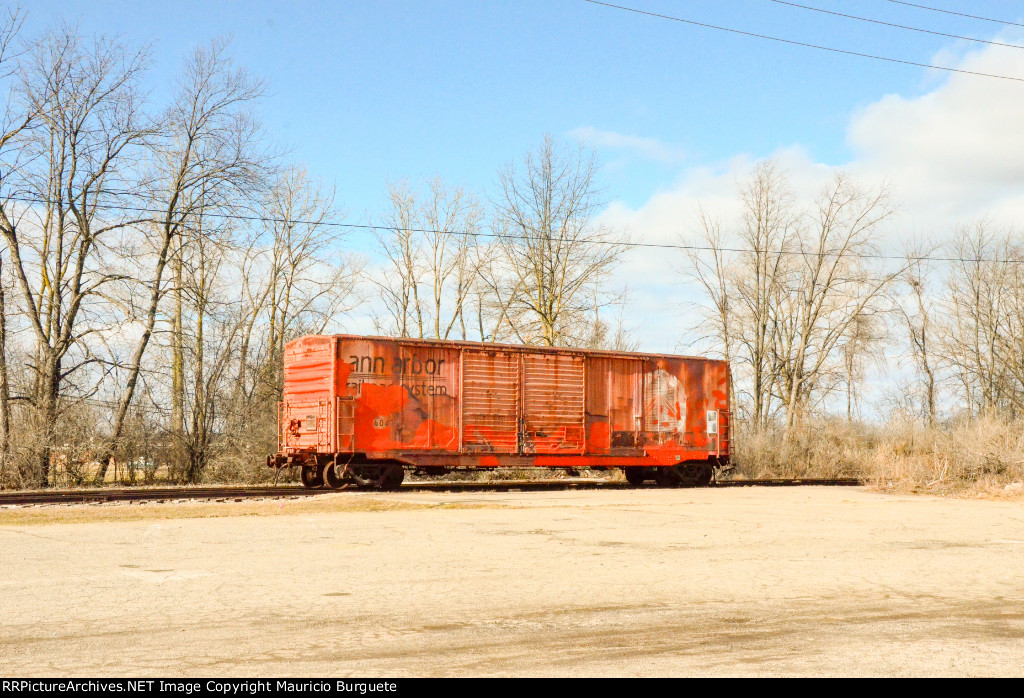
point(965, 458)
point(157, 511)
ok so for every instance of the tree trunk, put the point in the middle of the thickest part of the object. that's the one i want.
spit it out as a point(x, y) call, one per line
point(177, 364)
point(46, 412)
point(5, 389)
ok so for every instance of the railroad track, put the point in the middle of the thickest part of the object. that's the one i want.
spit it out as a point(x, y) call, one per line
point(150, 494)
point(240, 493)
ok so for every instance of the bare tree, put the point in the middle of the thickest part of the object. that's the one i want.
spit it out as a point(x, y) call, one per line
point(917, 318)
point(211, 322)
point(5, 387)
point(713, 276)
point(1010, 339)
point(554, 250)
point(978, 301)
point(614, 335)
point(451, 217)
point(494, 291)
point(89, 131)
point(432, 258)
point(829, 288)
point(294, 274)
point(14, 120)
point(18, 114)
point(210, 150)
point(746, 287)
point(859, 348)
point(793, 297)
point(399, 240)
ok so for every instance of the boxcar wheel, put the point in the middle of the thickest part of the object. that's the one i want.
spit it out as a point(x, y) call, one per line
point(635, 476)
point(312, 477)
point(668, 477)
point(695, 474)
point(378, 476)
point(705, 473)
point(392, 477)
point(331, 477)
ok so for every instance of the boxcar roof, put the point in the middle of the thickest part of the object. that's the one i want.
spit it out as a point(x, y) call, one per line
point(517, 347)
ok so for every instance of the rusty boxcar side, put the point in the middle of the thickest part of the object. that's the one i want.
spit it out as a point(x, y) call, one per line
point(363, 408)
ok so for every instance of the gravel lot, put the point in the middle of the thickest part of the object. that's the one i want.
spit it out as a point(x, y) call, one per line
point(745, 581)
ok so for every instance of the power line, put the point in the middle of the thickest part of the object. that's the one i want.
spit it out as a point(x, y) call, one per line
point(898, 26)
point(512, 236)
point(804, 44)
point(958, 14)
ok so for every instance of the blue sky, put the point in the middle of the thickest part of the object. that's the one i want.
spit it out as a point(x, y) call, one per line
point(361, 90)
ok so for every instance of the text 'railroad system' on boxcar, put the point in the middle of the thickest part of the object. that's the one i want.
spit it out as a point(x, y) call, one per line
point(363, 409)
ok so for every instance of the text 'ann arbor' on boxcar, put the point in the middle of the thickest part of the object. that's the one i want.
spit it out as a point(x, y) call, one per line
point(362, 410)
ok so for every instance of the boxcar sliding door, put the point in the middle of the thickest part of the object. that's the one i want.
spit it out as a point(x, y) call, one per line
point(490, 401)
point(553, 415)
point(614, 402)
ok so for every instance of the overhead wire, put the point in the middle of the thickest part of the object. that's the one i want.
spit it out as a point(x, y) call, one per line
point(539, 238)
point(805, 44)
point(266, 219)
point(897, 26)
point(958, 14)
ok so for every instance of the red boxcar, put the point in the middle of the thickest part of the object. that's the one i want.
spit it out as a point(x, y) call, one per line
point(362, 409)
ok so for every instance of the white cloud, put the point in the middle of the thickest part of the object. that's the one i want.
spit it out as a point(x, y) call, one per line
point(955, 152)
point(650, 148)
point(950, 155)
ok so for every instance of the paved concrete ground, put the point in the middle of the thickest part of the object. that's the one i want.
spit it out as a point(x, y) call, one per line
point(745, 581)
